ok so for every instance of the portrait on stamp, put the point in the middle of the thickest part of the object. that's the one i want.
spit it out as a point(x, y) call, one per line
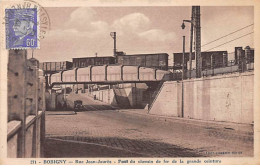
point(21, 28)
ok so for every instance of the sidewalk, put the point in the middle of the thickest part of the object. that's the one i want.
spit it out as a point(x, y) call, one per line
point(241, 127)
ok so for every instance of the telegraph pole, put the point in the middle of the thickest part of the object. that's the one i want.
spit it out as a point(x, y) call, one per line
point(191, 41)
point(197, 41)
point(183, 57)
point(182, 87)
point(191, 37)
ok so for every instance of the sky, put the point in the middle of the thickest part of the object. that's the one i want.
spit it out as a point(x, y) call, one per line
point(82, 32)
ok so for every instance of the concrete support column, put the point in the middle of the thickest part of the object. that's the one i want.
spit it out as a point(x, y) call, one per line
point(17, 93)
point(32, 100)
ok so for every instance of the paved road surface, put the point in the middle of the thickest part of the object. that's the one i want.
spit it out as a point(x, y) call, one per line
point(134, 133)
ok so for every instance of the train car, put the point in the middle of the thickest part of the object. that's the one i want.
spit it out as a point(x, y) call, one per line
point(87, 61)
point(51, 67)
point(246, 55)
point(156, 61)
point(177, 60)
point(212, 59)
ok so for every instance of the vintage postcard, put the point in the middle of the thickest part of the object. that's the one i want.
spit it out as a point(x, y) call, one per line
point(129, 82)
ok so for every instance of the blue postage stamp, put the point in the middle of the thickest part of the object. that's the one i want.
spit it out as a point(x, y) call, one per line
point(21, 28)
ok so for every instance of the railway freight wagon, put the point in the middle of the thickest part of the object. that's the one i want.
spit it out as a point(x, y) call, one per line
point(87, 61)
point(50, 67)
point(211, 59)
point(156, 61)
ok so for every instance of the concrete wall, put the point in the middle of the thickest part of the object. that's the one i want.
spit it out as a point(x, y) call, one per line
point(134, 94)
point(126, 96)
point(12, 147)
point(221, 98)
point(33, 137)
point(106, 96)
point(26, 106)
point(168, 101)
point(29, 142)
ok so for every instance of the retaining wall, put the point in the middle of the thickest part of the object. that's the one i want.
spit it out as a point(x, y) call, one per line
point(221, 98)
point(126, 96)
point(106, 96)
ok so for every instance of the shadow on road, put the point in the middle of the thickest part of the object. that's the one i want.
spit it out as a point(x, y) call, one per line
point(75, 146)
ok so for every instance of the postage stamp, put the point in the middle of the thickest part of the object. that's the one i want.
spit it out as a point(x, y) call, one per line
point(117, 82)
point(21, 28)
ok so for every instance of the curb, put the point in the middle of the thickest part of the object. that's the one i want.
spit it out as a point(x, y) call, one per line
point(219, 124)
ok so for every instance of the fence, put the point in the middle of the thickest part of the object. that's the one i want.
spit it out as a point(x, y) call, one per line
point(214, 71)
point(26, 106)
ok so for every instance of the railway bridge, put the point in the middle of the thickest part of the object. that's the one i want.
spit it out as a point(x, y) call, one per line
point(109, 74)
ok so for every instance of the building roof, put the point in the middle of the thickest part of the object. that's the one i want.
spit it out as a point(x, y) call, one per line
point(94, 57)
point(203, 52)
point(144, 54)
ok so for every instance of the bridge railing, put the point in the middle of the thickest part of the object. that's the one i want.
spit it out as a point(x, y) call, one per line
point(108, 74)
point(214, 71)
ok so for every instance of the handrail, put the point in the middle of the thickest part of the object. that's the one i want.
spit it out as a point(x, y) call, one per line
point(30, 120)
point(13, 127)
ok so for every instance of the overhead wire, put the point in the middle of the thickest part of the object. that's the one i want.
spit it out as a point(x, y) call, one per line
point(229, 41)
point(227, 34)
